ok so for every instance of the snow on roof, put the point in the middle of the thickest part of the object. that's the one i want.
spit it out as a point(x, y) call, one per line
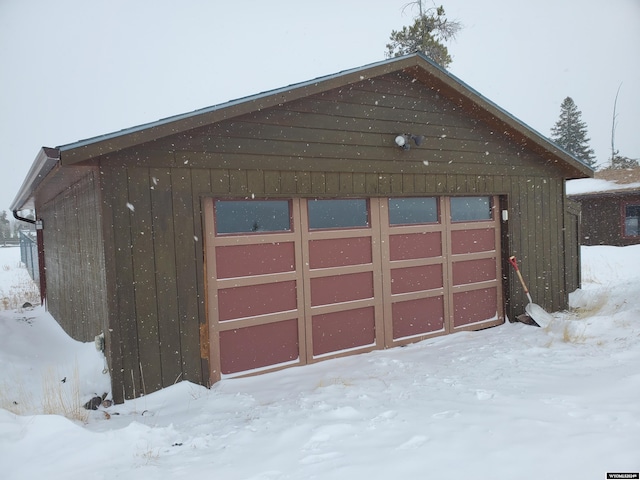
point(606, 181)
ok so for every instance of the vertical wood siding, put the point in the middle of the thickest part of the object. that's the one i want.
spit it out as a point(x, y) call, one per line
point(154, 234)
point(75, 260)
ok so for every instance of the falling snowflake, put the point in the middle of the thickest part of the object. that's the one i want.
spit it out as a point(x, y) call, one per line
point(131, 207)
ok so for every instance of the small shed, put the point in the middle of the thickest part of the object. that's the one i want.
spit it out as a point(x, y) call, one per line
point(610, 206)
point(363, 210)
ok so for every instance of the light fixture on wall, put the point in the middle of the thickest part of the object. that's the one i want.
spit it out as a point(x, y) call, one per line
point(404, 140)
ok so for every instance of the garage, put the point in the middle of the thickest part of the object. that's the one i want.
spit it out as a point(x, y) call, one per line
point(366, 209)
point(298, 280)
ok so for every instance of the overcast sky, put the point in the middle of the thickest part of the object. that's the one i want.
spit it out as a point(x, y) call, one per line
point(74, 69)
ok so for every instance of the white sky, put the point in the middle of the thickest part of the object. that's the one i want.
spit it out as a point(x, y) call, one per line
point(73, 69)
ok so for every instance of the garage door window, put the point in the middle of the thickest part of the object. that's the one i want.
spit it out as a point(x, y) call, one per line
point(470, 209)
point(347, 213)
point(252, 216)
point(410, 211)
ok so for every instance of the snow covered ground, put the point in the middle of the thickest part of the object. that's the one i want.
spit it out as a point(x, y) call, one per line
point(512, 402)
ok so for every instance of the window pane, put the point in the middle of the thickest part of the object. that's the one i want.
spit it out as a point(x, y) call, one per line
point(632, 220)
point(406, 211)
point(252, 216)
point(338, 213)
point(465, 209)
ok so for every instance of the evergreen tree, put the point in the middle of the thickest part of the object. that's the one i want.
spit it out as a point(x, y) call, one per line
point(570, 132)
point(427, 34)
point(5, 227)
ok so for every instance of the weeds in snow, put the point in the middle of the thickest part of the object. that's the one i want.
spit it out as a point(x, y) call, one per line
point(149, 455)
point(587, 304)
point(58, 396)
point(62, 399)
point(21, 291)
point(570, 335)
point(15, 397)
point(335, 381)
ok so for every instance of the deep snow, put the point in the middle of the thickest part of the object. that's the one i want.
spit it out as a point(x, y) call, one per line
point(509, 402)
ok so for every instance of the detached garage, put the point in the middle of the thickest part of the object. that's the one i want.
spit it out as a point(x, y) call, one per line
point(362, 210)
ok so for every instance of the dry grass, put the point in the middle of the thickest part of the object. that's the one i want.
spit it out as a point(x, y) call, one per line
point(56, 397)
point(24, 290)
point(595, 303)
point(334, 381)
point(571, 335)
point(63, 398)
point(15, 397)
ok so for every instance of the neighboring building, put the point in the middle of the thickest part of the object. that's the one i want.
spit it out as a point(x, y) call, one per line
point(610, 206)
point(291, 226)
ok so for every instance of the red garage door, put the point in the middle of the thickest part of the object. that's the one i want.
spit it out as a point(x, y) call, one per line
point(298, 280)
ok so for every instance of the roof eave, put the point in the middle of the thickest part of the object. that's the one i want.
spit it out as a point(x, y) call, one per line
point(44, 163)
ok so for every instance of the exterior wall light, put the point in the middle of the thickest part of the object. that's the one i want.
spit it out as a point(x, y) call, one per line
point(404, 140)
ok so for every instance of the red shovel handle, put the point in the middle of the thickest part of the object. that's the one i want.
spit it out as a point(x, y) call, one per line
point(514, 262)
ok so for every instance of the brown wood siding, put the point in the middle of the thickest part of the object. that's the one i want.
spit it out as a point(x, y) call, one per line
point(350, 130)
point(602, 219)
point(75, 260)
point(154, 230)
point(536, 220)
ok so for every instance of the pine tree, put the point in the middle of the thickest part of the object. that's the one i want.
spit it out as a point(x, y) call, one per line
point(570, 132)
point(5, 226)
point(427, 34)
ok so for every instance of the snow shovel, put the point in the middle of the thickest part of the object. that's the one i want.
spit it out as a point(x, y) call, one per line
point(536, 312)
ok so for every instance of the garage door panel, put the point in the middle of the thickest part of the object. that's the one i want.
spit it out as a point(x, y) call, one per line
point(341, 288)
point(343, 330)
point(418, 317)
point(415, 279)
point(474, 271)
point(415, 245)
point(247, 260)
point(475, 306)
point(335, 252)
point(473, 240)
point(248, 301)
point(259, 346)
